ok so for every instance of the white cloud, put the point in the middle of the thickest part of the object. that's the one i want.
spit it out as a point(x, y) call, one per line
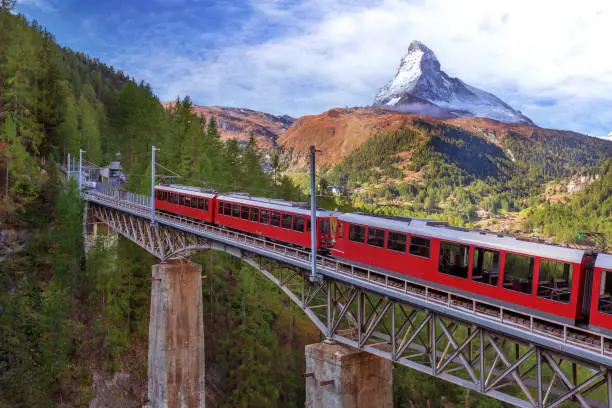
point(44, 5)
point(327, 53)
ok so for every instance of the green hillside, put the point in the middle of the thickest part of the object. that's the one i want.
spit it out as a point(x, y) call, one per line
point(590, 210)
point(444, 170)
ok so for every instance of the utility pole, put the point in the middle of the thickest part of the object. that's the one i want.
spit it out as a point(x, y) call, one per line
point(68, 166)
point(314, 277)
point(153, 150)
point(81, 151)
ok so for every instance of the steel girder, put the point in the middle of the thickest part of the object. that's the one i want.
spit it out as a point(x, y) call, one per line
point(159, 240)
point(505, 368)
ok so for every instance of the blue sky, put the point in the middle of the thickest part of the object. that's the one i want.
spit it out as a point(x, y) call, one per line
point(549, 59)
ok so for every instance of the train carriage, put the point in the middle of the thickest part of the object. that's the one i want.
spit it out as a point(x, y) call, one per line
point(600, 318)
point(275, 219)
point(536, 278)
point(193, 202)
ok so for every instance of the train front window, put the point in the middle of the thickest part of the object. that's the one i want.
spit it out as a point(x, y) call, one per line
point(245, 212)
point(376, 237)
point(324, 226)
point(286, 221)
point(605, 293)
point(298, 223)
point(555, 280)
point(518, 273)
point(419, 246)
point(265, 217)
point(275, 219)
point(485, 266)
point(454, 259)
point(357, 233)
point(255, 214)
point(236, 211)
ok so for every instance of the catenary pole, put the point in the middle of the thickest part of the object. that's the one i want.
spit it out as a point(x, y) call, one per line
point(314, 277)
point(153, 150)
point(81, 151)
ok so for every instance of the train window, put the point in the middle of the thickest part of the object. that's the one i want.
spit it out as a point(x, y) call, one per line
point(265, 217)
point(158, 194)
point(605, 292)
point(518, 272)
point(220, 211)
point(376, 237)
point(419, 246)
point(254, 214)
point(357, 233)
point(340, 230)
point(169, 197)
point(236, 211)
point(454, 259)
point(555, 280)
point(308, 224)
point(298, 223)
point(175, 198)
point(485, 266)
point(227, 209)
point(287, 219)
point(245, 212)
point(181, 199)
point(275, 219)
point(396, 241)
point(206, 204)
point(324, 226)
point(201, 204)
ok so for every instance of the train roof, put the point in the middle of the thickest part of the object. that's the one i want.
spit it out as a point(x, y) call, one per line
point(604, 261)
point(197, 191)
point(441, 230)
point(274, 204)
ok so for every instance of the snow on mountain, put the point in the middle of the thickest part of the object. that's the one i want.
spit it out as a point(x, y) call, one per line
point(419, 78)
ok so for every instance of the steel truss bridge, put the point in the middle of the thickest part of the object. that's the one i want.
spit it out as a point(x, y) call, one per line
point(508, 355)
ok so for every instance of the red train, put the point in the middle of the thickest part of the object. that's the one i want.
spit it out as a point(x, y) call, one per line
point(557, 283)
point(275, 219)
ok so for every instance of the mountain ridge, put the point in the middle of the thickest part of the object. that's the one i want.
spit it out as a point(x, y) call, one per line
point(241, 123)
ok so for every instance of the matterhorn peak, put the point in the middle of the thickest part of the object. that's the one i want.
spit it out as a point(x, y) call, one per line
point(420, 80)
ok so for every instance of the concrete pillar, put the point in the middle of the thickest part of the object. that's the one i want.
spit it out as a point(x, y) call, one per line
point(339, 376)
point(176, 336)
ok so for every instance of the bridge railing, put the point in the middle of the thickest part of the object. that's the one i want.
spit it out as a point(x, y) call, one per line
point(511, 318)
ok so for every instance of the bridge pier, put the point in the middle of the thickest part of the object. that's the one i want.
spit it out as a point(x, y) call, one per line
point(176, 336)
point(339, 376)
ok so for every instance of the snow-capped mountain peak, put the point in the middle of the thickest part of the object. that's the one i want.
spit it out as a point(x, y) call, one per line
point(419, 80)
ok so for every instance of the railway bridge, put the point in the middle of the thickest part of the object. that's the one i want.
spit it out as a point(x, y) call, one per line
point(370, 320)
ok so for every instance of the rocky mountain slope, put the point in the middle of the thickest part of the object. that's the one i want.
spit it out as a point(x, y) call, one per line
point(338, 132)
point(420, 83)
point(240, 123)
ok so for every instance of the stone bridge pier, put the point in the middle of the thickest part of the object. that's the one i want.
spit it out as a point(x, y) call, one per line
point(176, 336)
point(339, 376)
